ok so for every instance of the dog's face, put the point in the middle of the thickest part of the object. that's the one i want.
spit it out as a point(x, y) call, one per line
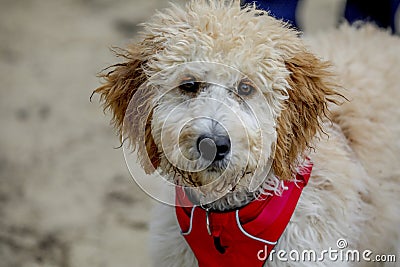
point(212, 124)
point(214, 95)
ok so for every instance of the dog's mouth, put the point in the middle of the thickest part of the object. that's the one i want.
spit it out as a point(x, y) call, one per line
point(224, 186)
point(218, 176)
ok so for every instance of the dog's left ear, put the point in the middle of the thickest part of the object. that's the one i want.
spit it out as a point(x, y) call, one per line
point(311, 89)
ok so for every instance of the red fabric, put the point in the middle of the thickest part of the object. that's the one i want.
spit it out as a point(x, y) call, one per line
point(228, 245)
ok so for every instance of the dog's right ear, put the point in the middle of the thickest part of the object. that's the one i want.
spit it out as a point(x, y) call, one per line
point(121, 84)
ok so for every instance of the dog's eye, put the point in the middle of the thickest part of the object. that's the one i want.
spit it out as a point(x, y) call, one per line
point(245, 87)
point(189, 84)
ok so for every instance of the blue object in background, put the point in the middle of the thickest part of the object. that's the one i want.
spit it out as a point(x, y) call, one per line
point(381, 12)
point(280, 9)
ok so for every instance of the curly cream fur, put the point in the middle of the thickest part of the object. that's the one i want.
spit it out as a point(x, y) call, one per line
point(354, 188)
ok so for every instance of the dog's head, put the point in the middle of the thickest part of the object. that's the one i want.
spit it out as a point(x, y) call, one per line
point(215, 94)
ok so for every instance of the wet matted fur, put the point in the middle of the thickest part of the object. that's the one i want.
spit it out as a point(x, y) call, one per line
point(354, 188)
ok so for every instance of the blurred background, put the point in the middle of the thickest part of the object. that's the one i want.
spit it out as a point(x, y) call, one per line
point(66, 196)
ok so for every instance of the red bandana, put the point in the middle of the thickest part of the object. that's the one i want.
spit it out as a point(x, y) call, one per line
point(236, 238)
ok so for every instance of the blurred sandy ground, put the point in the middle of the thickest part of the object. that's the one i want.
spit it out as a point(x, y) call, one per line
point(66, 196)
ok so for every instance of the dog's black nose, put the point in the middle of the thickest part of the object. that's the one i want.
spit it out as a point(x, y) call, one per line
point(213, 148)
point(223, 145)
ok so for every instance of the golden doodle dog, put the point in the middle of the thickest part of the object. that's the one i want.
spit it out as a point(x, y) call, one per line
point(282, 150)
